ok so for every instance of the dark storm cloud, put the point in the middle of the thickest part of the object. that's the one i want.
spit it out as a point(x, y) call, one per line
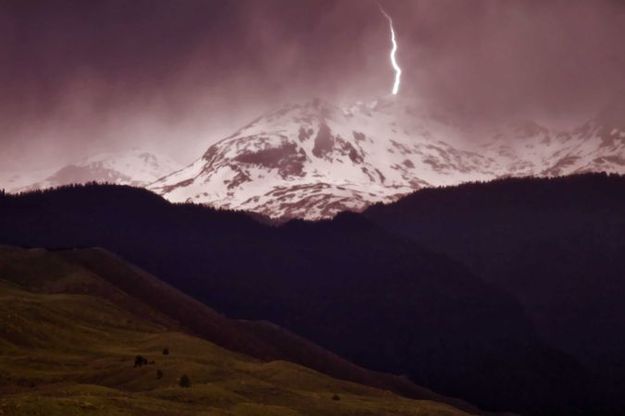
point(76, 73)
point(80, 72)
point(128, 48)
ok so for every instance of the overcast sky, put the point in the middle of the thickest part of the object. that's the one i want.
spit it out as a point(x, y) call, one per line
point(79, 77)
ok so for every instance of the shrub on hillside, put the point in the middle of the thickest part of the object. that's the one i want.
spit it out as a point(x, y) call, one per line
point(140, 361)
point(185, 381)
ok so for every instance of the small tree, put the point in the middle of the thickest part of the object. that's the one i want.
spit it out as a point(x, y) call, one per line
point(185, 381)
point(165, 351)
point(336, 397)
point(159, 374)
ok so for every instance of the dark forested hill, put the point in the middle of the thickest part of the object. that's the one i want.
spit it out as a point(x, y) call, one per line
point(557, 245)
point(352, 287)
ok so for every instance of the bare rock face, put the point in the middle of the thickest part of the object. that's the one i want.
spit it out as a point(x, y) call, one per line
point(313, 160)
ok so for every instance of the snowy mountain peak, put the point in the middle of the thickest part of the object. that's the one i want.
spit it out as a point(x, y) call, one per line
point(315, 159)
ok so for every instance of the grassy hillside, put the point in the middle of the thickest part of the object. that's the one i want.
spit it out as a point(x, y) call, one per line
point(96, 271)
point(72, 353)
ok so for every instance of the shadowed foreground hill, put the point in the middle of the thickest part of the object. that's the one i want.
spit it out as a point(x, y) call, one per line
point(69, 340)
point(260, 339)
point(557, 245)
point(378, 299)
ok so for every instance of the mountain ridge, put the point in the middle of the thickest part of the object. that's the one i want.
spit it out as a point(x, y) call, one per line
point(347, 284)
point(314, 159)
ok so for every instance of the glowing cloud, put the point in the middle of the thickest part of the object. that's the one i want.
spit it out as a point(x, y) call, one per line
point(394, 63)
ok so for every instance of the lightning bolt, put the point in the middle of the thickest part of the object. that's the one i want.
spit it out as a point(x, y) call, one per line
point(393, 56)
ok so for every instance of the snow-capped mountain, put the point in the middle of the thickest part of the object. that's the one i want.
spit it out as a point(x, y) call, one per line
point(313, 160)
point(527, 148)
point(134, 167)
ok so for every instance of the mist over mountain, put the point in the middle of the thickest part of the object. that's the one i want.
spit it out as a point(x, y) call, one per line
point(132, 167)
point(315, 159)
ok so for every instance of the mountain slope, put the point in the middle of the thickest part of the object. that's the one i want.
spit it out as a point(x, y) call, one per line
point(64, 353)
point(313, 160)
point(133, 167)
point(260, 339)
point(555, 244)
point(529, 149)
point(377, 299)
point(13, 181)
point(97, 272)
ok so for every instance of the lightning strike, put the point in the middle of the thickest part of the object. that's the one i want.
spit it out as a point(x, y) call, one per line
point(393, 55)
